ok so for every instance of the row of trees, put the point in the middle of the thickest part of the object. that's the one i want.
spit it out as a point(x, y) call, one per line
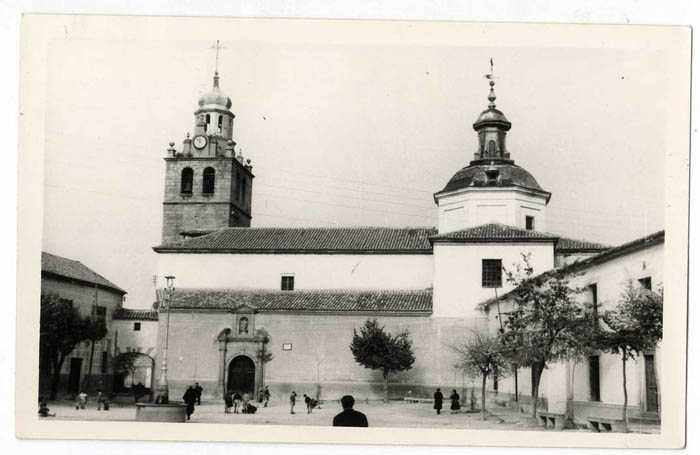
point(546, 323)
point(62, 328)
point(549, 323)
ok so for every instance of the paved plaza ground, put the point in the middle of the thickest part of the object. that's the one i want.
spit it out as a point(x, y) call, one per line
point(392, 414)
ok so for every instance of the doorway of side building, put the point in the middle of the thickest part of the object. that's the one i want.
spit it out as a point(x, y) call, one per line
point(76, 367)
point(241, 375)
point(652, 391)
point(133, 371)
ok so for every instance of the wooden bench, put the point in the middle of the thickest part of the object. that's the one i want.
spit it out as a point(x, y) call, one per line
point(604, 424)
point(551, 420)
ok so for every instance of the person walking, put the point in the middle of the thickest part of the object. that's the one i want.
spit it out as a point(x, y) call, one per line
point(266, 396)
point(261, 397)
point(246, 401)
point(190, 397)
point(198, 392)
point(236, 402)
point(349, 417)
point(454, 405)
point(292, 400)
point(228, 401)
point(438, 400)
point(100, 399)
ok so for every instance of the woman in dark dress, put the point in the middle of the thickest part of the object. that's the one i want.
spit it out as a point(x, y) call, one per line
point(438, 400)
point(454, 405)
point(190, 397)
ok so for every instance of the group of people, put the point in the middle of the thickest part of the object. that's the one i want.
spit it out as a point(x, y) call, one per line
point(310, 403)
point(82, 398)
point(454, 401)
point(192, 395)
point(237, 401)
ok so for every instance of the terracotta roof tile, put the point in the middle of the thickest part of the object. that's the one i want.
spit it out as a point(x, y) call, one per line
point(308, 240)
point(68, 268)
point(494, 232)
point(573, 245)
point(129, 314)
point(312, 301)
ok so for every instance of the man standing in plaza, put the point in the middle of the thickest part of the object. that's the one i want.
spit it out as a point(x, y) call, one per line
point(349, 417)
point(266, 396)
point(292, 400)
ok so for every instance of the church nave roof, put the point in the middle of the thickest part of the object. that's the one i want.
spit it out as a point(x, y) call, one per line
point(417, 302)
point(320, 240)
point(359, 240)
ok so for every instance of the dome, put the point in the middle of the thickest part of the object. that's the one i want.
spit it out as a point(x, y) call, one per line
point(508, 175)
point(491, 116)
point(215, 97)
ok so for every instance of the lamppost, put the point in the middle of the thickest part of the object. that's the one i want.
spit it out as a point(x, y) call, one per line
point(163, 383)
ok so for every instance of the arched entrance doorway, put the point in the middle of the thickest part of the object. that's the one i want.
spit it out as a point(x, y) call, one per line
point(241, 375)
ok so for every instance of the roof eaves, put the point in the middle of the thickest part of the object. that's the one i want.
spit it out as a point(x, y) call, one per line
point(81, 281)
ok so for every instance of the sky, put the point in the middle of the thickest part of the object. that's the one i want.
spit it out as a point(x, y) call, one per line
point(343, 135)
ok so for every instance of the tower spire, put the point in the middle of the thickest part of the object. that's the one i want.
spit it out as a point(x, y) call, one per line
point(217, 46)
point(492, 94)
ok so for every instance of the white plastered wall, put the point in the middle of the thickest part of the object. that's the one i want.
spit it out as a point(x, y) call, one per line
point(475, 206)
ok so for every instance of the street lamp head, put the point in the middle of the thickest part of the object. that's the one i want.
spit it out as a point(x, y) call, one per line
point(169, 282)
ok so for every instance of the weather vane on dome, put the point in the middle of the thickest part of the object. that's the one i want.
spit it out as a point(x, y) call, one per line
point(492, 95)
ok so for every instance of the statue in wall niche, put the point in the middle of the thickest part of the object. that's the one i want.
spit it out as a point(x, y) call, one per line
point(243, 326)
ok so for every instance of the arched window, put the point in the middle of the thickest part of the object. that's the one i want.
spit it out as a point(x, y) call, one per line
point(221, 122)
point(206, 125)
point(186, 181)
point(208, 181)
point(243, 326)
point(492, 148)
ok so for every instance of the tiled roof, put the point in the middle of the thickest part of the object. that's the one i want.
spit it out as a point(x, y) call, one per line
point(354, 240)
point(494, 232)
point(510, 175)
point(140, 315)
point(311, 301)
point(625, 248)
point(608, 254)
point(358, 240)
point(565, 245)
point(74, 270)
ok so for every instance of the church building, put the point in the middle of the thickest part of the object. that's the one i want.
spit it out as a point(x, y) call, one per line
point(243, 292)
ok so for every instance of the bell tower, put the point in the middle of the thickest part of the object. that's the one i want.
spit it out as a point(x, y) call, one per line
point(208, 185)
